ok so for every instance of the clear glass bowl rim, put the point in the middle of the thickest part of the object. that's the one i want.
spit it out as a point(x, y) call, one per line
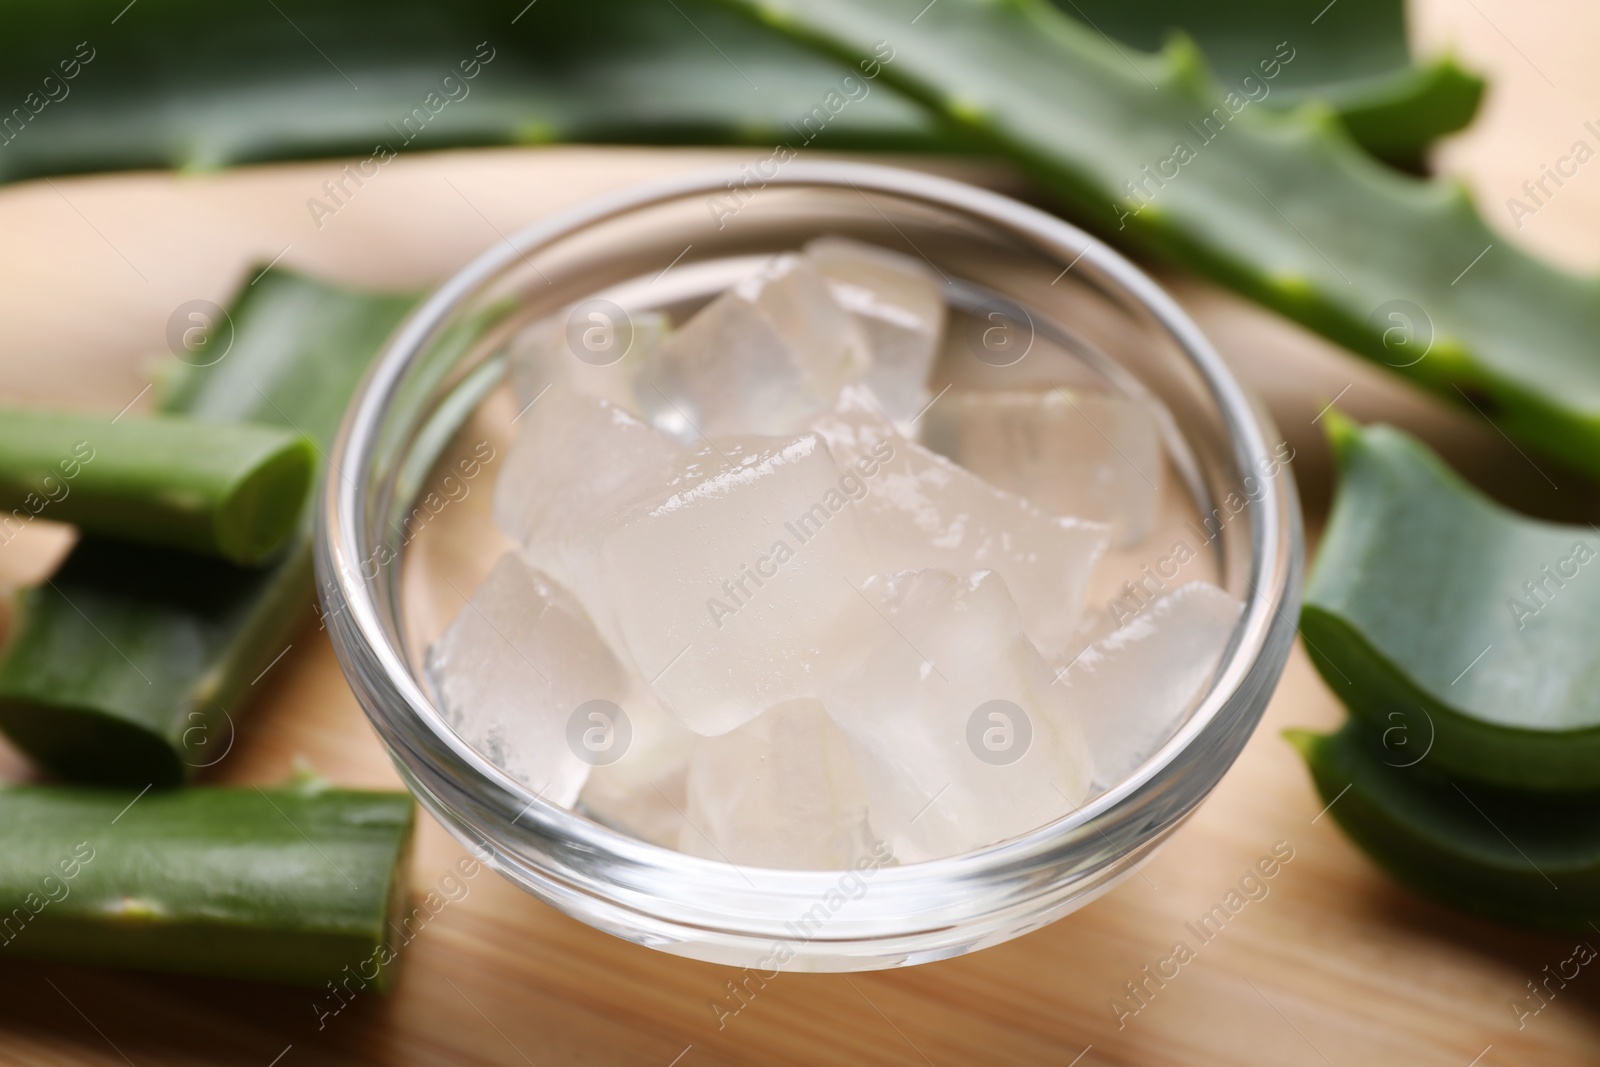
point(709, 909)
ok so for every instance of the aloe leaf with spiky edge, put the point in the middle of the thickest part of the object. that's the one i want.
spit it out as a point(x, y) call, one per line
point(188, 85)
point(1281, 207)
point(1397, 116)
point(1353, 56)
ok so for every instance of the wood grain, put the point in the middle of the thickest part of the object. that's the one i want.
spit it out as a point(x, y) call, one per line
point(1334, 965)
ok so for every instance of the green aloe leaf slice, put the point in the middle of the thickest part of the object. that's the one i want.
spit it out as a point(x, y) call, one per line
point(1282, 207)
point(131, 664)
point(1527, 861)
point(1449, 623)
point(235, 491)
point(297, 883)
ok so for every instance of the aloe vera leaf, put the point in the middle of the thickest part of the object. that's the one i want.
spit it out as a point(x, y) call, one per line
point(290, 883)
point(1351, 41)
point(235, 491)
point(1283, 208)
point(1527, 861)
point(1355, 57)
point(650, 72)
point(249, 87)
point(1435, 613)
point(130, 664)
point(1398, 116)
point(184, 84)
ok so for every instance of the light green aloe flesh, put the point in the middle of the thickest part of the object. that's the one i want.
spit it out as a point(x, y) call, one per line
point(1354, 57)
point(236, 491)
point(133, 664)
point(291, 883)
point(1453, 627)
point(185, 84)
point(1283, 208)
point(1525, 860)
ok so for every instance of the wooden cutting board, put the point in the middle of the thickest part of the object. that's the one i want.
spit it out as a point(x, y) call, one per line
point(1332, 965)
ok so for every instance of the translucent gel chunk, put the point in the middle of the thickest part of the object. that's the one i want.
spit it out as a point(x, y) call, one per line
point(961, 738)
point(734, 589)
point(1134, 687)
point(592, 351)
point(518, 660)
point(762, 358)
point(780, 791)
point(643, 791)
point(920, 510)
point(576, 465)
point(1090, 455)
point(896, 302)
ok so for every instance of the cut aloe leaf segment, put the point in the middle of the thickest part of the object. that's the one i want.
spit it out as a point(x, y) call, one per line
point(1524, 860)
point(1284, 208)
point(132, 663)
point(1440, 617)
point(297, 883)
point(232, 490)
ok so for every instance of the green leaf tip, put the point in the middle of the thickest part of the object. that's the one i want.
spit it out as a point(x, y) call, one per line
point(1294, 287)
point(1343, 433)
point(1186, 64)
point(1447, 67)
point(1319, 115)
point(774, 14)
point(537, 133)
point(304, 778)
point(1305, 741)
point(966, 111)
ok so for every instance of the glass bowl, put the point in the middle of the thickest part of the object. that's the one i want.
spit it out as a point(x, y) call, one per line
point(1021, 283)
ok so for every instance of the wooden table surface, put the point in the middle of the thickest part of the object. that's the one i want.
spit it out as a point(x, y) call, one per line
point(1334, 966)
